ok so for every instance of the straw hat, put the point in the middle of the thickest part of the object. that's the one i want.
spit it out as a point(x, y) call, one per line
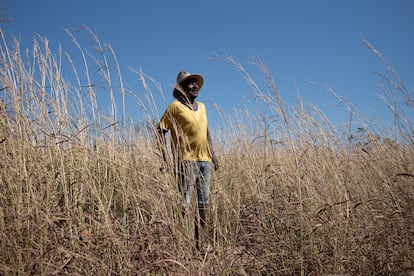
point(182, 76)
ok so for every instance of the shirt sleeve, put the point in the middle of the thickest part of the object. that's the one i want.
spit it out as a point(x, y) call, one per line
point(165, 122)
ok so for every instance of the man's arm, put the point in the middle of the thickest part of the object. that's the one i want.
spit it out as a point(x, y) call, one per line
point(213, 155)
point(162, 146)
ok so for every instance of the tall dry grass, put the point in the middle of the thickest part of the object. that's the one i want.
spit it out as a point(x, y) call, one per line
point(81, 191)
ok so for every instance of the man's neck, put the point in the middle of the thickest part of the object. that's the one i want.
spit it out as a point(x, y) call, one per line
point(190, 102)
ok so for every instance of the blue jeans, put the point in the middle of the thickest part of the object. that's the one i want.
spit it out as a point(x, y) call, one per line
point(195, 174)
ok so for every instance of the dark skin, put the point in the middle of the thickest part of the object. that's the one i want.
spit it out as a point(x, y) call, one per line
point(191, 90)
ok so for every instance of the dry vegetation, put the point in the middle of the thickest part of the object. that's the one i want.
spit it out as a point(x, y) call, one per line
point(82, 194)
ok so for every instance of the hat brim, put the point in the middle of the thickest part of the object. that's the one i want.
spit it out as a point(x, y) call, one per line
point(198, 78)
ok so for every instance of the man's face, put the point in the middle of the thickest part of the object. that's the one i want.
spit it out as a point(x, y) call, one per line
point(190, 86)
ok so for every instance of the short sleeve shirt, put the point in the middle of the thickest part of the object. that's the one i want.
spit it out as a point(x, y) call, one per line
point(188, 131)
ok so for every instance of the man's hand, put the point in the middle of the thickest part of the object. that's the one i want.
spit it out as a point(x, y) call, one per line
point(215, 163)
point(165, 168)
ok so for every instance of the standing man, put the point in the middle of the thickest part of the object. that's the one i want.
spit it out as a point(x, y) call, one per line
point(191, 144)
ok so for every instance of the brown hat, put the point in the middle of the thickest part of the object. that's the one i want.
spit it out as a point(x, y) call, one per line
point(182, 76)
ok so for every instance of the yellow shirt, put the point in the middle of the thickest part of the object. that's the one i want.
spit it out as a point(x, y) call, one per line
point(188, 131)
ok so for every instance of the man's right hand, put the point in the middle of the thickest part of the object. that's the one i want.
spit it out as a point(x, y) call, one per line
point(164, 168)
point(215, 163)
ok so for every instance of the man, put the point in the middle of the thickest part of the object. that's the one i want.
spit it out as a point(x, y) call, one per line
point(191, 144)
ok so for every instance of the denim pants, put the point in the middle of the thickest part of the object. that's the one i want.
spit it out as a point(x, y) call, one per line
point(194, 174)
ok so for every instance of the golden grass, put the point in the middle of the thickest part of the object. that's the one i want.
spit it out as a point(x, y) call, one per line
point(82, 194)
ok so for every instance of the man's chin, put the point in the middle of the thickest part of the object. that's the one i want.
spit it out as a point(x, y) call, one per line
point(194, 93)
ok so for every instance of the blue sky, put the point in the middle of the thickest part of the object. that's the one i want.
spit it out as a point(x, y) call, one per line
point(300, 41)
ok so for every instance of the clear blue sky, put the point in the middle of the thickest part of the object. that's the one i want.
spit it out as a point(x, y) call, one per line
point(298, 40)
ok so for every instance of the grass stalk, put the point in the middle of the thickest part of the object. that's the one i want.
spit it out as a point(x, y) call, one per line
point(82, 194)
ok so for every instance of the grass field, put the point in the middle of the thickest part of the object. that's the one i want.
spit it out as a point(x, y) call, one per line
point(82, 194)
